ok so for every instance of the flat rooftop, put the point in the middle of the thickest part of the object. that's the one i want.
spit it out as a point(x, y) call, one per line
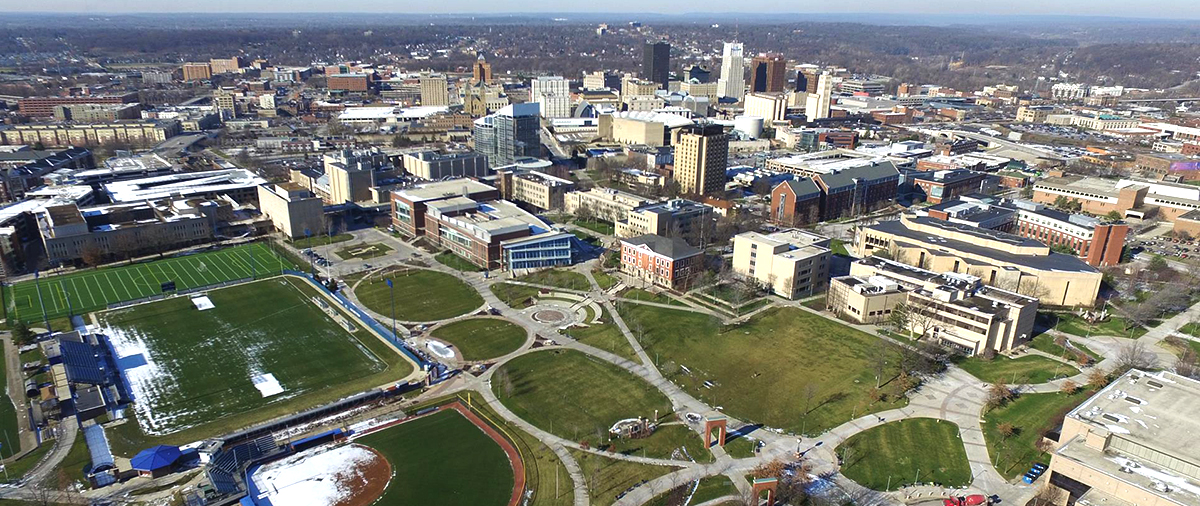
point(1081, 184)
point(1050, 262)
point(442, 189)
point(185, 184)
point(1160, 411)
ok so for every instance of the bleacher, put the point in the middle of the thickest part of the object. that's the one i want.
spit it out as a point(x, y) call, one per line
point(226, 467)
point(83, 363)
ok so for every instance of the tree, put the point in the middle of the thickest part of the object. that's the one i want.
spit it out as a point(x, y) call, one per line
point(1006, 430)
point(92, 255)
point(1070, 387)
point(998, 395)
point(1158, 264)
point(1185, 365)
point(1135, 356)
point(21, 333)
point(1097, 379)
point(921, 315)
point(900, 318)
point(1113, 215)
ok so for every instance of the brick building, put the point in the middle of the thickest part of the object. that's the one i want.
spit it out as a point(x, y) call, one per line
point(43, 107)
point(664, 262)
point(942, 185)
point(795, 203)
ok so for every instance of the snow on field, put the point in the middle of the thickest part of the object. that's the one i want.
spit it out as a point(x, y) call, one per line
point(267, 385)
point(148, 381)
point(202, 302)
point(319, 477)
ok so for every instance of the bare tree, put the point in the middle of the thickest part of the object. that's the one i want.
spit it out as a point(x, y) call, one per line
point(1135, 356)
point(1185, 365)
point(921, 315)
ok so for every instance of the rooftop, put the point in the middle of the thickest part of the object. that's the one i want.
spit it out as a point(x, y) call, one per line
point(1158, 411)
point(186, 183)
point(672, 247)
point(442, 189)
point(1051, 261)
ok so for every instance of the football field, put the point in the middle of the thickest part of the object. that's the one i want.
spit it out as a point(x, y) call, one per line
point(97, 288)
point(264, 349)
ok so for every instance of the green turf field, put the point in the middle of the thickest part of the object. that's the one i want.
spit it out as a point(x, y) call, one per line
point(482, 338)
point(97, 288)
point(443, 459)
point(421, 295)
point(889, 456)
point(191, 369)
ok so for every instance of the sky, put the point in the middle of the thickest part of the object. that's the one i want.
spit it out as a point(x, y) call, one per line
point(1173, 9)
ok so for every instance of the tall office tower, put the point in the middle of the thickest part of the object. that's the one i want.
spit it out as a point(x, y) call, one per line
point(601, 79)
point(553, 93)
point(701, 156)
point(656, 62)
point(801, 83)
point(768, 73)
point(509, 134)
point(481, 71)
point(698, 73)
point(817, 106)
point(732, 82)
point(434, 89)
point(811, 79)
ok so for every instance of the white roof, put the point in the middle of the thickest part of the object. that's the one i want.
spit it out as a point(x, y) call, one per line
point(670, 120)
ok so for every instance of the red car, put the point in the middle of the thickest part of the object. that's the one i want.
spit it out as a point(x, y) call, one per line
point(971, 500)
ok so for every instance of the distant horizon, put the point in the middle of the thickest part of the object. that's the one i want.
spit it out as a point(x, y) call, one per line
point(1160, 10)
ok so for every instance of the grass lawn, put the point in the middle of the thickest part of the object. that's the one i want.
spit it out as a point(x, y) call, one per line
point(1176, 345)
point(1045, 343)
point(666, 442)
point(888, 457)
point(456, 262)
point(607, 477)
point(574, 396)
point(558, 277)
point(18, 468)
point(364, 251)
point(838, 247)
point(421, 295)
point(604, 279)
point(482, 338)
point(1191, 329)
point(1113, 326)
point(599, 226)
point(606, 337)
point(713, 487)
point(432, 455)
point(778, 354)
point(320, 240)
point(661, 298)
point(516, 296)
point(191, 372)
point(9, 426)
point(1031, 415)
point(740, 448)
point(1029, 369)
point(94, 289)
point(72, 468)
point(817, 304)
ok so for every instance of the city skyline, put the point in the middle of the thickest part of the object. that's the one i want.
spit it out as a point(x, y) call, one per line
point(1161, 9)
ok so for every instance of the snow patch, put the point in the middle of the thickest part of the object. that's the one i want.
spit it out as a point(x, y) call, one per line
point(315, 478)
point(267, 385)
point(202, 302)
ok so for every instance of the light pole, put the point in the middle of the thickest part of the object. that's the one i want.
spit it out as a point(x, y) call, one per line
point(38, 284)
point(392, 292)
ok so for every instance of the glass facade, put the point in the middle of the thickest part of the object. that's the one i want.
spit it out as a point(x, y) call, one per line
point(549, 252)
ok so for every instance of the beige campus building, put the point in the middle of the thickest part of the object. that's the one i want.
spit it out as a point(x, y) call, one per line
point(1132, 444)
point(91, 134)
point(955, 309)
point(603, 203)
point(999, 259)
point(536, 189)
point(292, 209)
point(792, 263)
point(689, 220)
